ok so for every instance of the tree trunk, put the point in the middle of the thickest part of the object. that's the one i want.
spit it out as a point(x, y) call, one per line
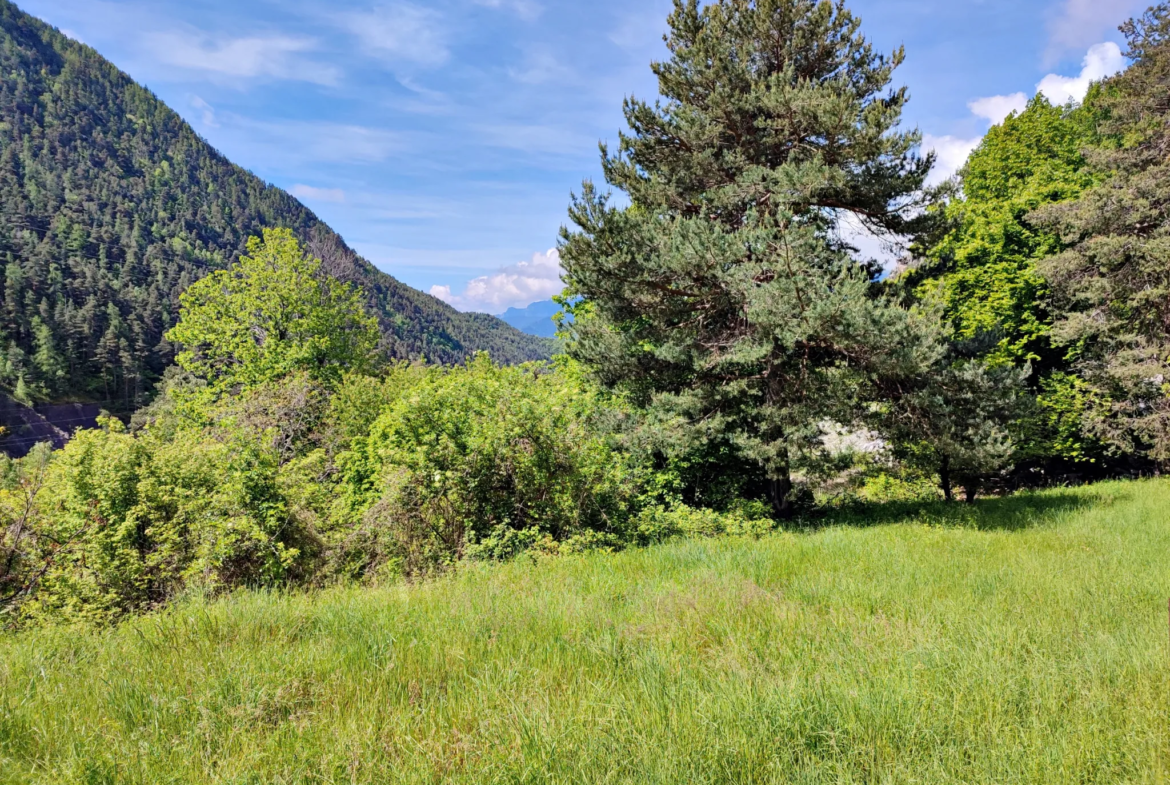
point(944, 478)
point(780, 494)
point(971, 489)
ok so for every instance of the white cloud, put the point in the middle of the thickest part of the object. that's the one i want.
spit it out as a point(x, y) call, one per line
point(951, 152)
point(1078, 23)
point(1102, 60)
point(401, 33)
point(311, 194)
point(70, 34)
point(996, 108)
point(275, 56)
point(515, 286)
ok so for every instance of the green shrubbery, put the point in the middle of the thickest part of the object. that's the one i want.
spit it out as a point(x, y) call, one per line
point(297, 482)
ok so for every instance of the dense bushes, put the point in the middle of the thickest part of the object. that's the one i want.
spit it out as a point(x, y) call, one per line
point(482, 460)
point(296, 482)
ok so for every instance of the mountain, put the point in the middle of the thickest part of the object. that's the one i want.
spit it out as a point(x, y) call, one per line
point(536, 319)
point(111, 205)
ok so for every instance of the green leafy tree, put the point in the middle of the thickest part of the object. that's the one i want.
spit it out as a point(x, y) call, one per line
point(271, 314)
point(723, 297)
point(985, 273)
point(1113, 284)
point(984, 270)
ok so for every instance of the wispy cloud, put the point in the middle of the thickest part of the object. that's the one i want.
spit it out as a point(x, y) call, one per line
point(272, 56)
point(541, 65)
point(401, 33)
point(515, 286)
point(310, 194)
point(525, 9)
point(548, 139)
point(1075, 24)
point(206, 112)
point(276, 143)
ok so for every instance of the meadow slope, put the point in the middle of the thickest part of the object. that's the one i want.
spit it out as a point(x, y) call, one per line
point(1025, 641)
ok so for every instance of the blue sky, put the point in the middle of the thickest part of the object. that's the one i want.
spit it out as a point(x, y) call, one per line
point(442, 138)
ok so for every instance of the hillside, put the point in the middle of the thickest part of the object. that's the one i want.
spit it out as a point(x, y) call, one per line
point(110, 205)
point(1023, 641)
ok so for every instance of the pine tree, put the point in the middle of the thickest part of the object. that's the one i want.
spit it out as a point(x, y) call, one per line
point(1113, 285)
point(953, 419)
point(52, 369)
point(723, 297)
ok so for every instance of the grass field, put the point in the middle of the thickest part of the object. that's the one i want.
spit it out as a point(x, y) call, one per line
point(1025, 641)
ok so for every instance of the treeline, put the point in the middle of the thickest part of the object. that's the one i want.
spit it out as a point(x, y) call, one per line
point(730, 366)
point(111, 206)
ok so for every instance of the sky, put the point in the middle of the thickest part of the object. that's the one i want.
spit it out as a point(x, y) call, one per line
point(442, 138)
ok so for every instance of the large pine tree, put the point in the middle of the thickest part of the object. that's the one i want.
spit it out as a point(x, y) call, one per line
point(1112, 287)
point(723, 296)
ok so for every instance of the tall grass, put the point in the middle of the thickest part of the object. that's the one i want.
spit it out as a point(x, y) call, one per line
point(1022, 642)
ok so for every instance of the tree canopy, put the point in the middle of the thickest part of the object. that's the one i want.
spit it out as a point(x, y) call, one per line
point(273, 313)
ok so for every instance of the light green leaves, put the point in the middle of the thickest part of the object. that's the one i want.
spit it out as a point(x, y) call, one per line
point(273, 313)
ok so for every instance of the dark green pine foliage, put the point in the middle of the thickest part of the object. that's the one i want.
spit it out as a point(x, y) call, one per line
point(723, 297)
point(1112, 287)
point(111, 205)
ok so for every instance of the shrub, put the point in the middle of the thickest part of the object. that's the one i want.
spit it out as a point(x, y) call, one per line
point(658, 523)
point(125, 521)
point(486, 460)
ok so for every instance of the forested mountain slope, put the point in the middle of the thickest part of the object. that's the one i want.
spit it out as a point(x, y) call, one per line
point(110, 205)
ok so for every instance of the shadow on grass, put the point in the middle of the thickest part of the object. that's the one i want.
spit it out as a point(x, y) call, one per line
point(1007, 513)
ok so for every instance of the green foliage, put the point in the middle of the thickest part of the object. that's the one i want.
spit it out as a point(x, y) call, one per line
point(659, 523)
point(984, 270)
point(722, 299)
point(467, 458)
point(297, 481)
point(884, 488)
point(954, 421)
point(111, 206)
point(1112, 285)
point(272, 314)
point(127, 521)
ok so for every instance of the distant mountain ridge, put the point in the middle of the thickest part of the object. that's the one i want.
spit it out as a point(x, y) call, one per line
point(535, 319)
point(111, 205)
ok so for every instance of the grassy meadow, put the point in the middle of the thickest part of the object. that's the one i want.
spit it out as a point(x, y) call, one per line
point(1025, 640)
